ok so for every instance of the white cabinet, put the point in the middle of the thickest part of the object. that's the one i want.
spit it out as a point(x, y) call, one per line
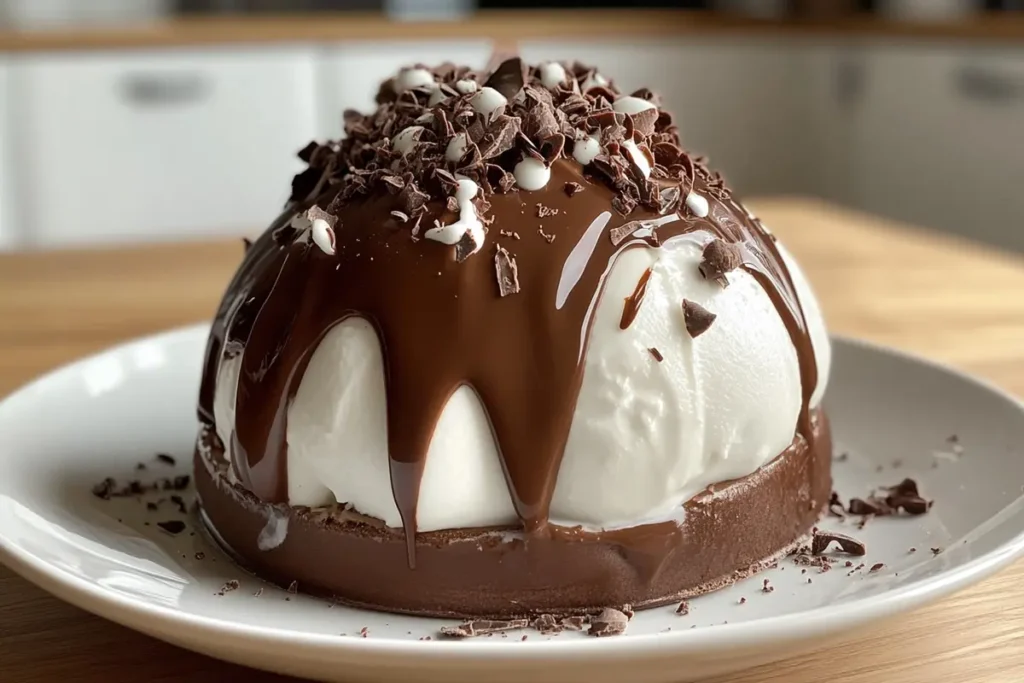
point(130, 146)
point(734, 100)
point(936, 139)
point(354, 71)
point(6, 191)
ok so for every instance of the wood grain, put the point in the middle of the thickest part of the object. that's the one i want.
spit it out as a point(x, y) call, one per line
point(948, 299)
point(495, 25)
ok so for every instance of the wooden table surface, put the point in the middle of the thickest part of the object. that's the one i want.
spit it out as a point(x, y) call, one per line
point(892, 284)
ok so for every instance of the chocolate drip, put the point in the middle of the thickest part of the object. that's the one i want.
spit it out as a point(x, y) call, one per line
point(443, 324)
point(631, 306)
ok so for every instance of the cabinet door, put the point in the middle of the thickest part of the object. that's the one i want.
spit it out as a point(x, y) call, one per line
point(354, 71)
point(133, 146)
point(733, 100)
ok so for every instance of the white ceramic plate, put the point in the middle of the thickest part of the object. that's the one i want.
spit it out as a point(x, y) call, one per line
point(100, 417)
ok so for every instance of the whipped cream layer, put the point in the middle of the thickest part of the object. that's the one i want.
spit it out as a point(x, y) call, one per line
point(646, 436)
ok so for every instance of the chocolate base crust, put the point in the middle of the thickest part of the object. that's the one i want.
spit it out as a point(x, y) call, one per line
point(729, 531)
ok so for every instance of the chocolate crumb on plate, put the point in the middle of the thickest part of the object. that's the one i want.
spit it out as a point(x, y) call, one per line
point(166, 459)
point(258, 593)
point(229, 586)
point(105, 489)
point(875, 567)
point(767, 587)
point(610, 622)
point(507, 272)
point(482, 627)
point(180, 503)
point(683, 609)
point(936, 551)
point(181, 482)
point(848, 544)
point(547, 624)
point(743, 601)
point(364, 631)
point(200, 555)
point(172, 526)
point(697, 318)
point(576, 623)
point(293, 587)
point(657, 354)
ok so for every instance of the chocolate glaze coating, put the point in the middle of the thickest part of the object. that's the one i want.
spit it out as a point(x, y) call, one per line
point(730, 530)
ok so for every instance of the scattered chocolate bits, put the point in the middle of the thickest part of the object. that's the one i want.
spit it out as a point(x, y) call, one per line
point(610, 622)
point(683, 609)
point(200, 555)
point(877, 566)
point(181, 482)
point(767, 587)
point(936, 551)
point(547, 624)
point(823, 539)
point(105, 489)
point(718, 258)
point(697, 318)
point(507, 272)
point(231, 585)
point(903, 496)
point(172, 526)
point(657, 354)
point(575, 623)
point(483, 627)
point(179, 502)
point(572, 188)
point(166, 459)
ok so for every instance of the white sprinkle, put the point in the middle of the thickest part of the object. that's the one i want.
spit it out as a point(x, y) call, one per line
point(414, 78)
point(405, 141)
point(552, 74)
point(467, 222)
point(487, 100)
point(585, 148)
point(640, 159)
point(593, 80)
point(466, 86)
point(697, 204)
point(274, 532)
point(631, 105)
point(456, 148)
point(531, 174)
point(323, 236)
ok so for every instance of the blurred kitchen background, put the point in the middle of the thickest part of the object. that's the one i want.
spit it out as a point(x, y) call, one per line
point(152, 120)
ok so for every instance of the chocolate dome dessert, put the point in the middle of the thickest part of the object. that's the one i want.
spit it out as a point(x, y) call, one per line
point(511, 350)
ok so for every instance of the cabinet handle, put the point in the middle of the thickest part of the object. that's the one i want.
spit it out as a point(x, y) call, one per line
point(164, 89)
point(989, 86)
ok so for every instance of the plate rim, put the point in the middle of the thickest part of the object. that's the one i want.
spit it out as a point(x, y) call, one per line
point(817, 622)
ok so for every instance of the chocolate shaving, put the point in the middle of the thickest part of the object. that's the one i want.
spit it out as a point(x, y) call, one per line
point(847, 544)
point(718, 258)
point(876, 567)
point(400, 216)
point(619, 234)
point(697, 318)
point(573, 188)
point(610, 622)
point(507, 272)
point(483, 627)
point(547, 624)
point(166, 459)
point(656, 353)
point(683, 609)
point(575, 623)
point(508, 79)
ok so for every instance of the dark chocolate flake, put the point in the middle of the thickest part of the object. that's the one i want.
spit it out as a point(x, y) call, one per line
point(696, 318)
point(172, 526)
point(849, 545)
point(572, 188)
point(875, 567)
point(166, 459)
point(483, 627)
point(657, 354)
point(610, 622)
point(508, 78)
point(507, 272)
point(181, 482)
point(683, 609)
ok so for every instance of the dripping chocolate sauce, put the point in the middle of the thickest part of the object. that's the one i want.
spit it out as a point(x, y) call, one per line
point(442, 324)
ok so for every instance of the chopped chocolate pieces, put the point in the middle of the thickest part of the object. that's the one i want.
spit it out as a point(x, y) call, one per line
point(903, 496)
point(573, 188)
point(849, 545)
point(465, 247)
point(767, 587)
point(610, 622)
point(507, 272)
point(545, 211)
point(683, 609)
point(619, 234)
point(105, 489)
point(547, 624)
point(697, 318)
point(875, 567)
point(172, 526)
point(482, 627)
point(657, 354)
point(871, 506)
point(508, 79)
point(231, 585)
point(718, 258)
point(166, 459)
point(576, 623)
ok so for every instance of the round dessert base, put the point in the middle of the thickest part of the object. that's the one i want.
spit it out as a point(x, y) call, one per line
point(729, 531)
